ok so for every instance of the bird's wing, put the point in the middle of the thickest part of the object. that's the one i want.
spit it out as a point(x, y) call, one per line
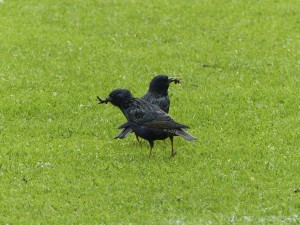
point(164, 121)
point(143, 113)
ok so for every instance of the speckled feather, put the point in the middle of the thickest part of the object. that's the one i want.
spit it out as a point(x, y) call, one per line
point(156, 95)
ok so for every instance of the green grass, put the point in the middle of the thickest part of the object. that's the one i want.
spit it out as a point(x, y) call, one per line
point(239, 64)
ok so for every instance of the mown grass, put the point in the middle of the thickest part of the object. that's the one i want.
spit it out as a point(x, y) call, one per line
point(239, 64)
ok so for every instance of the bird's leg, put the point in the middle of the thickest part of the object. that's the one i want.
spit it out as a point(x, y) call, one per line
point(172, 145)
point(151, 143)
point(137, 139)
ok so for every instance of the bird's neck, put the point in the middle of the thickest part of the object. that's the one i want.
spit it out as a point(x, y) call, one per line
point(158, 92)
point(126, 104)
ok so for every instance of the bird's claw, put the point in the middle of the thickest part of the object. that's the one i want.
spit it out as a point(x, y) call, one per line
point(101, 101)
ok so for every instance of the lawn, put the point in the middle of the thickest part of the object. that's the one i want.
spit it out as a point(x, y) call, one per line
point(239, 63)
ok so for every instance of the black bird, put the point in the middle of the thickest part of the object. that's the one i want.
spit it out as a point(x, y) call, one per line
point(147, 120)
point(156, 95)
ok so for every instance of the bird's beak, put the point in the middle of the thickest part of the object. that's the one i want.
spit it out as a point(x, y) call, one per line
point(101, 101)
point(175, 80)
point(108, 99)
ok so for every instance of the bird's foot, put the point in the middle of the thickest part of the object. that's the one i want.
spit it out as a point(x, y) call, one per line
point(173, 154)
point(138, 140)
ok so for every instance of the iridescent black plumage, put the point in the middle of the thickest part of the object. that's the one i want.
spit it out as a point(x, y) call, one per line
point(148, 121)
point(156, 95)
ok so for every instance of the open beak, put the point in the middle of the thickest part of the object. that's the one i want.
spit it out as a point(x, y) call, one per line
point(175, 80)
point(101, 101)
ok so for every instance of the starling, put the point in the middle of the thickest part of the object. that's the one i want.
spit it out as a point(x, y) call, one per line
point(156, 95)
point(148, 121)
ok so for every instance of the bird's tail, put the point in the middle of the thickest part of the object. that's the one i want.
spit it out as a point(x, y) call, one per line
point(184, 134)
point(124, 133)
point(124, 125)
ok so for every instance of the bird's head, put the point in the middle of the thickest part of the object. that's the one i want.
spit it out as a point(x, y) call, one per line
point(161, 83)
point(117, 97)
